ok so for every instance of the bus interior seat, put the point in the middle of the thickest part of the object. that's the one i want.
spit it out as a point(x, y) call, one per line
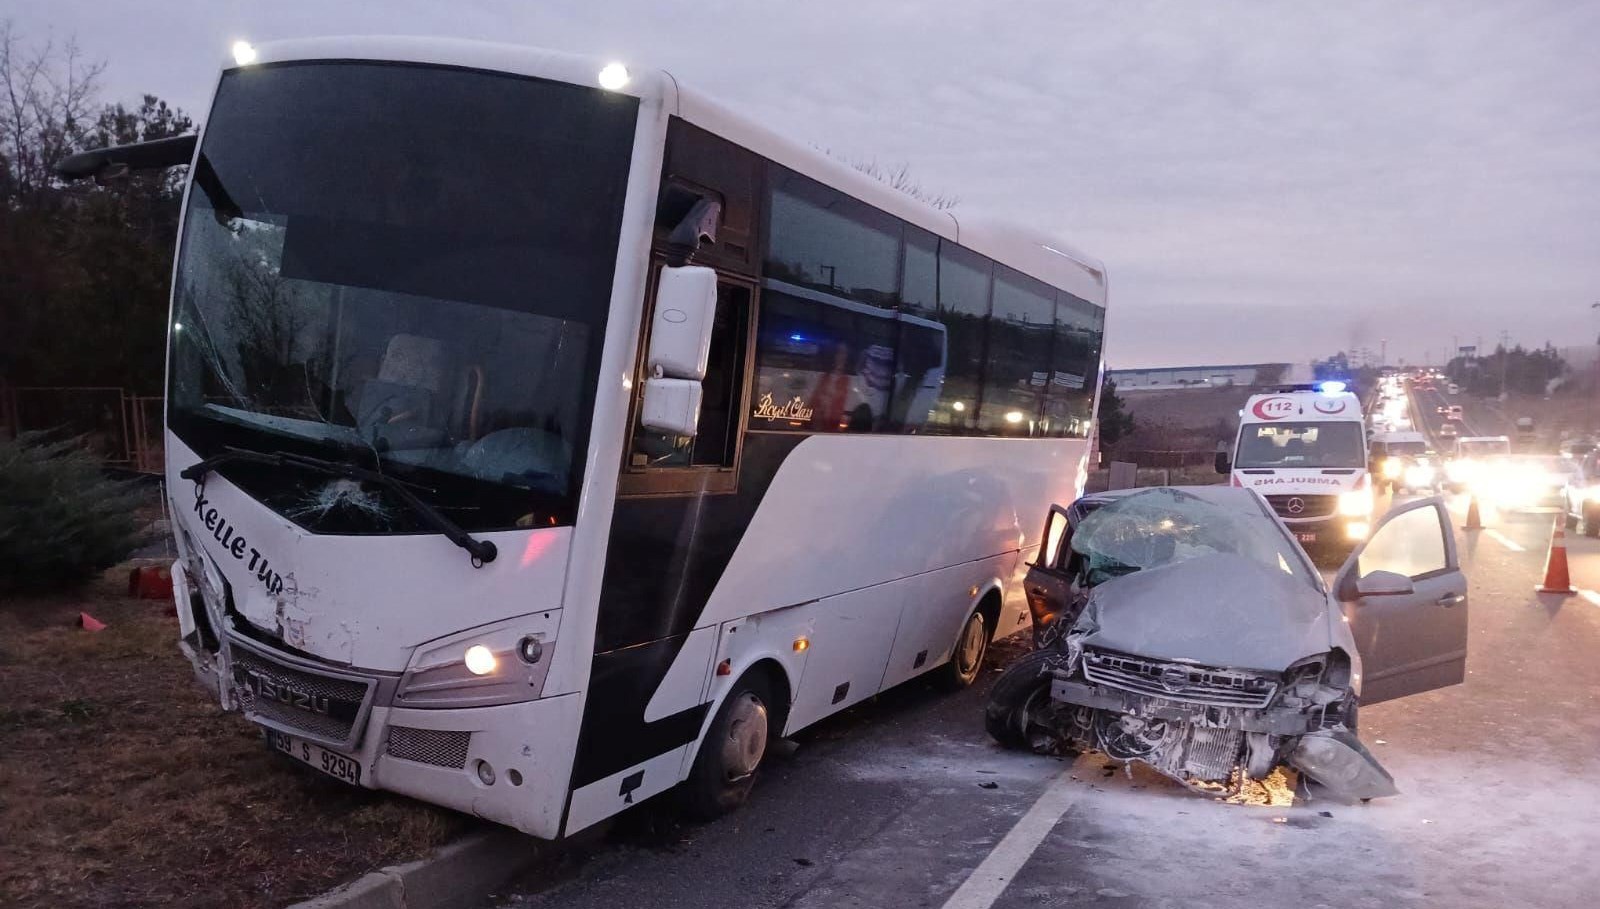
point(401, 405)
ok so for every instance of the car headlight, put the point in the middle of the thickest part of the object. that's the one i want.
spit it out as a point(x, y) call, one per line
point(1392, 468)
point(1419, 475)
point(503, 664)
point(1357, 503)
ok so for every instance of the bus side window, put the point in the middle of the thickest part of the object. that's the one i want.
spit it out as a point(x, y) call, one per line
point(716, 443)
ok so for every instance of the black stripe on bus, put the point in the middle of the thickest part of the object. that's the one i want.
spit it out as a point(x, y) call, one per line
point(664, 558)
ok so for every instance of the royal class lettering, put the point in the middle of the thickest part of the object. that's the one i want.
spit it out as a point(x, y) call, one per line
point(235, 544)
point(794, 409)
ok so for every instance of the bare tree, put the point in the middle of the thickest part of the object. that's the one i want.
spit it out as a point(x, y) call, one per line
point(48, 93)
point(898, 176)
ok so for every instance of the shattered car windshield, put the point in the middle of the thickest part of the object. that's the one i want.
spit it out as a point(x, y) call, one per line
point(1161, 527)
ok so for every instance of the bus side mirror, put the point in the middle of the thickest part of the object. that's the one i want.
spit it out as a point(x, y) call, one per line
point(680, 345)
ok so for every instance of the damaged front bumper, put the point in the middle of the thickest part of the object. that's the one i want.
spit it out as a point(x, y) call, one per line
point(1207, 746)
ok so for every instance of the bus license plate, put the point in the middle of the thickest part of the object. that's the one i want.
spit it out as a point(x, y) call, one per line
point(1306, 537)
point(332, 763)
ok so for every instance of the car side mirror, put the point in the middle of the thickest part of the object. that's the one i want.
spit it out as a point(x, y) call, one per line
point(1223, 462)
point(680, 346)
point(1384, 584)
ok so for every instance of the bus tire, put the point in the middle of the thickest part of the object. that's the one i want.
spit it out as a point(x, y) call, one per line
point(966, 658)
point(725, 767)
point(1023, 682)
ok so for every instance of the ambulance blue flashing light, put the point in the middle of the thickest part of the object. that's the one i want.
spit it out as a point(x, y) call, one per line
point(1331, 388)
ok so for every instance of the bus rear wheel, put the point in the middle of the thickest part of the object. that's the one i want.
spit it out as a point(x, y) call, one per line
point(725, 767)
point(972, 645)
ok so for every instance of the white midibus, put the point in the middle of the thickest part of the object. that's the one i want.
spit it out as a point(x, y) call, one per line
point(542, 437)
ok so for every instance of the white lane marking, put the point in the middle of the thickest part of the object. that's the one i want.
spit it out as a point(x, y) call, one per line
point(1591, 596)
point(987, 881)
point(1503, 540)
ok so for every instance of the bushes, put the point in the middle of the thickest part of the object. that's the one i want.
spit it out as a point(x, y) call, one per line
point(61, 520)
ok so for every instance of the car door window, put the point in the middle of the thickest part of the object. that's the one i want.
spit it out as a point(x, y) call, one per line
point(1054, 533)
point(1411, 544)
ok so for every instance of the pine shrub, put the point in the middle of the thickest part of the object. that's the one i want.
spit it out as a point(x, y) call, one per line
point(62, 520)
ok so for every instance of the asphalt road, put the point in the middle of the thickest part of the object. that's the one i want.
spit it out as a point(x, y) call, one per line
point(904, 802)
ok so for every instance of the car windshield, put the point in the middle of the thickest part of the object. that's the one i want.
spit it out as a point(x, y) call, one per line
point(1164, 526)
point(404, 267)
point(1406, 449)
point(1301, 445)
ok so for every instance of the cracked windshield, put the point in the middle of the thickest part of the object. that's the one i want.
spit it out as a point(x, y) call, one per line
point(434, 313)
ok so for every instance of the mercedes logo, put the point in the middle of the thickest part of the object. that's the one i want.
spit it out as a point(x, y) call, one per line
point(1295, 505)
point(1173, 678)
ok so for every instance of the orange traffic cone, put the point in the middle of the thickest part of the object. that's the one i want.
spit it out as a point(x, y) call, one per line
point(1556, 579)
point(89, 623)
point(1474, 520)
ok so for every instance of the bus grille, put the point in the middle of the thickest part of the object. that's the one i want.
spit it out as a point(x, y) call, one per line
point(439, 747)
point(1308, 507)
point(1178, 681)
point(320, 707)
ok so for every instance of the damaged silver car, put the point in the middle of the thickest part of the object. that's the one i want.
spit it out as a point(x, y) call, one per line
point(1185, 628)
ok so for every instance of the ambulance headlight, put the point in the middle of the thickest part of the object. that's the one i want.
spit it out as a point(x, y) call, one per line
point(502, 664)
point(1357, 503)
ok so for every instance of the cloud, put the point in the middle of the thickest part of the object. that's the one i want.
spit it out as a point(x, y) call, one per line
point(1265, 180)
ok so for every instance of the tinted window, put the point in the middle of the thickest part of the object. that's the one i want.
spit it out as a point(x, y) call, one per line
point(1075, 364)
point(963, 310)
point(823, 363)
point(1018, 367)
point(827, 241)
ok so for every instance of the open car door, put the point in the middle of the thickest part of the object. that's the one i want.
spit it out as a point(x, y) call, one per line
point(1405, 597)
point(1046, 585)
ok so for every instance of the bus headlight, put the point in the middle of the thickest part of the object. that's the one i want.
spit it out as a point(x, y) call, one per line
point(503, 664)
point(1357, 503)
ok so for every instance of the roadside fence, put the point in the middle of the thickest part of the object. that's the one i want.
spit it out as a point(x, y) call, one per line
point(123, 429)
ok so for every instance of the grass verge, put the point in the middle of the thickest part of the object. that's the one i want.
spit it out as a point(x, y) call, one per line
point(123, 784)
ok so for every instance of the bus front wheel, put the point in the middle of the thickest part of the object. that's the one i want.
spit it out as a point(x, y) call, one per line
point(725, 767)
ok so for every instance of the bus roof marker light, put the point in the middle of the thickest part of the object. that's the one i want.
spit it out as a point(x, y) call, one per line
point(1331, 387)
point(613, 77)
point(244, 53)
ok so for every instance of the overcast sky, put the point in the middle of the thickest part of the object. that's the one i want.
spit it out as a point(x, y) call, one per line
point(1265, 181)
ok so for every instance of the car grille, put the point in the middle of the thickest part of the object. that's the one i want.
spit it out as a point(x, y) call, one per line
point(320, 707)
point(439, 747)
point(1178, 681)
point(1310, 506)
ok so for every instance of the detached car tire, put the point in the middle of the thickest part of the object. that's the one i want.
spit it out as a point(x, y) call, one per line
point(726, 764)
point(1021, 684)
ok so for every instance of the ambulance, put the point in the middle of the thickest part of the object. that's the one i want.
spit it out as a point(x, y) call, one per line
point(1304, 449)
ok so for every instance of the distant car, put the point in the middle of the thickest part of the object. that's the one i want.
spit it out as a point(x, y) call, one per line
point(1185, 628)
point(1403, 461)
point(1452, 389)
point(1581, 496)
point(1441, 409)
point(1448, 431)
point(1453, 412)
point(1527, 481)
point(1575, 448)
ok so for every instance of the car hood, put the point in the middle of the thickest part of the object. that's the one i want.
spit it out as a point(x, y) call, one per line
point(1222, 610)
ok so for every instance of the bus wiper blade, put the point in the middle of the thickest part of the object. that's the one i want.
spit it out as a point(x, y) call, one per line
point(482, 551)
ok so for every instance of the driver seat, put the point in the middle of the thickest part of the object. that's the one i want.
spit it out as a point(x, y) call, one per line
point(401, 406)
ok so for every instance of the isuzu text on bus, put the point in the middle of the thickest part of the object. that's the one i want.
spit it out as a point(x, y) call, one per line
point(542, 436)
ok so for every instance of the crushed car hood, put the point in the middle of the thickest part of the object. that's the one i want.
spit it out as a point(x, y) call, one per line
point(1220, 610)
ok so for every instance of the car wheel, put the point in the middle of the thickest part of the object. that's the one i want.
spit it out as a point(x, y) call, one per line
point(966, 660)
point(1590, 525)
point(725, 767)
point(1008, 717)
point(1569, 520)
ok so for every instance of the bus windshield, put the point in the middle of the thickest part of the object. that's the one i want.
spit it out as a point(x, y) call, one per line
point(406, 267)
point(1301, 445)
